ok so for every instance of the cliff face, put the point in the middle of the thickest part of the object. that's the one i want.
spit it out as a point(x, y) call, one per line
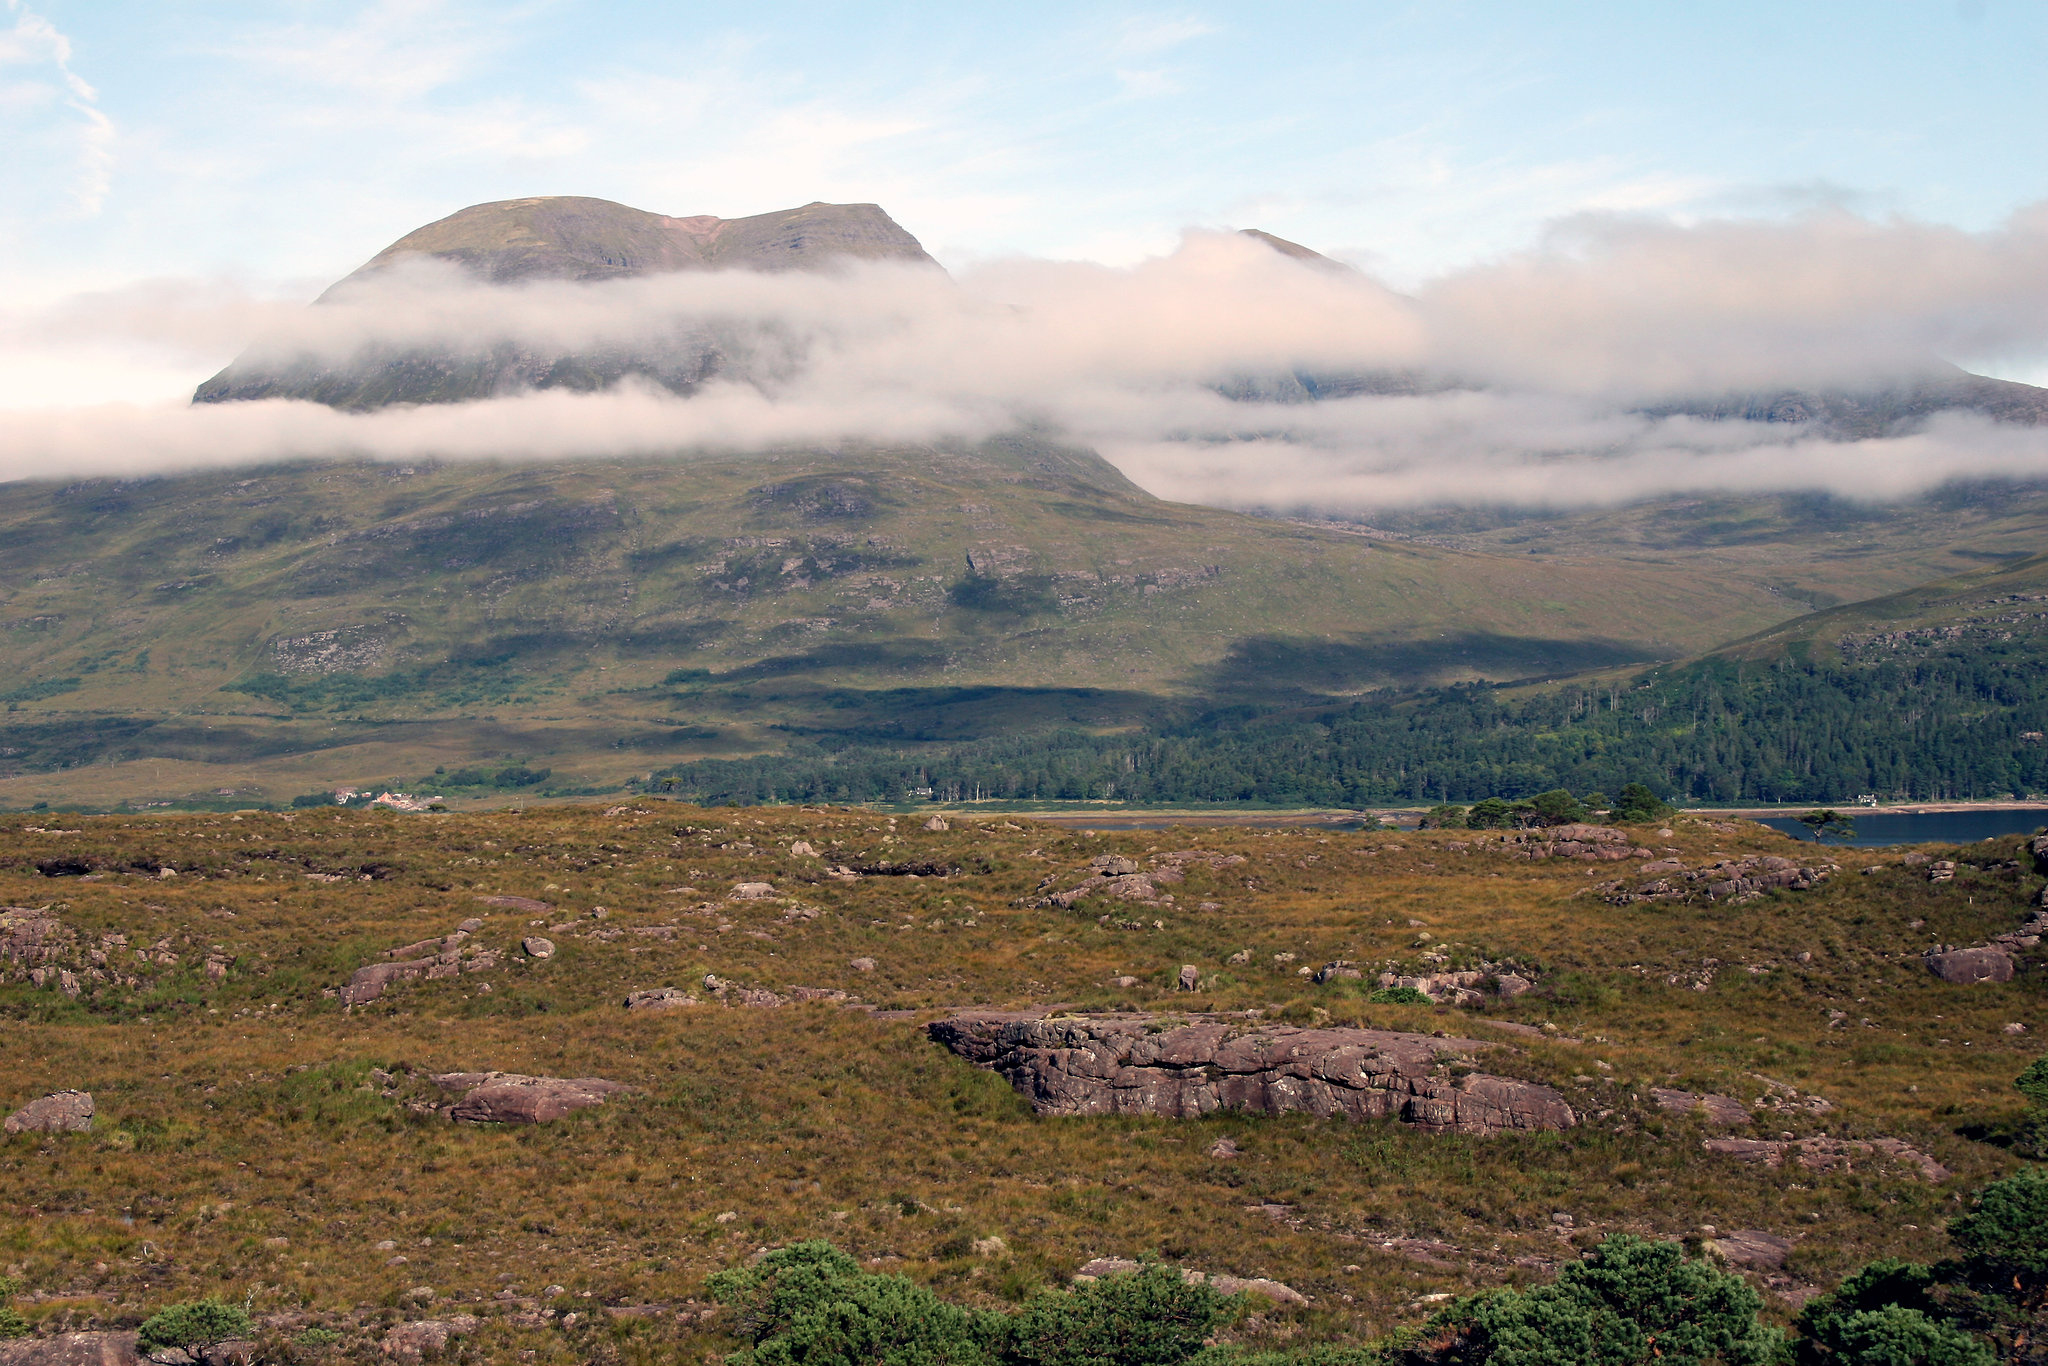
point(567, 238)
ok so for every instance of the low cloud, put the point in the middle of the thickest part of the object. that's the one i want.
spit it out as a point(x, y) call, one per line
point(1556, 351)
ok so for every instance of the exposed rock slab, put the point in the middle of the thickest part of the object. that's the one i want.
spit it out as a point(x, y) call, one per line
point(1968, 967)
point(659, 998)
point(1827, 1154)
point(73, 1349)
point(513, 1098)
point(1752, 1247)
point(1724, 1111)
point(1144, 1064)
point(65, 1112)
point(428, 959)
point(516, 903)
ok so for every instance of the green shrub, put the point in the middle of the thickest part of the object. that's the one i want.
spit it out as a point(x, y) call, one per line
point(1150, 1317)
point(1557, 807)
point(196, 1323)
point(1895, 1336)
point(1491, 814)
point(1398, 996)
point(1638, 806)
point(2033, 1083)
point(1630, 1301)
point(12, 1324)
point(810, 1304)
point(1443, 818)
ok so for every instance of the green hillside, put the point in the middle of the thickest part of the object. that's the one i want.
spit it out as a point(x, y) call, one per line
point(283, 628)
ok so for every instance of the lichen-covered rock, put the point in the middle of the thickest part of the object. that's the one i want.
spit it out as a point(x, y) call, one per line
point(1967, 967)
point(513, 1098)
point(537, 947)
point(1587, 843)
point(1141, 1064)
point(65, 1112)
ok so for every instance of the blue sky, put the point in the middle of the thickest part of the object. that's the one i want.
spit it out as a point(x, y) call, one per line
point(286, 141)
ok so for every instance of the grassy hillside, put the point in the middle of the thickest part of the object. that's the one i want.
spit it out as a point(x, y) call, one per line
point(281, 628)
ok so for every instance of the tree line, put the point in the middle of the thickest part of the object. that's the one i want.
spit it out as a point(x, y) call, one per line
point(1958, 722)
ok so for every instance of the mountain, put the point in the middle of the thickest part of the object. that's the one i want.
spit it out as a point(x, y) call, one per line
point(294, 625)
point(564, 238)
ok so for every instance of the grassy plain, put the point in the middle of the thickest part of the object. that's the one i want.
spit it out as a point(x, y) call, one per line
point(240, 1150)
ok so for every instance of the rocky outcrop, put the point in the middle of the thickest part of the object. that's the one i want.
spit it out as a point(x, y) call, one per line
point(1729, 880)
point(659, 998)
point(1990, 962)
point(428, 960)
point(1111, 875)
point(1967, 967)
point(1724, 1112)
point(733, 994)
point(1464, 987)
point(1828, 1154)
point(73, 1349)
point(65, 1112)
point(1587, 843)
point(513, 1098)
point(425, 1337)
point(1146, 1064)
point(38, 948)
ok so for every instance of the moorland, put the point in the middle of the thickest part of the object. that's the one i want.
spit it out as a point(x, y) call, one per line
point(265, 1136)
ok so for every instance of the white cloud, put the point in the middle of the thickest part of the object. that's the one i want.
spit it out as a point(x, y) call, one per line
point(35, 42)
point(1567, 341)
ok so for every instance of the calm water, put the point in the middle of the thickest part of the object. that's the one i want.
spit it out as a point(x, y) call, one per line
point(1939, 827)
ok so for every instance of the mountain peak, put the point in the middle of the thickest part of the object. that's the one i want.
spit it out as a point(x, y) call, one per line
point(574, 237)
point(1293, 249)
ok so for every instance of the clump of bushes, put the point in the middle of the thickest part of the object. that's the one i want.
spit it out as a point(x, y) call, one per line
point(12, 1324)
point(811, 1305)
point(195, 1323)
point(1399, 996)
point(1637, 805)
point(1631, 1301)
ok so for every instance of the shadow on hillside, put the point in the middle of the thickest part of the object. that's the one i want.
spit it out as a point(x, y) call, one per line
point(1272, 666)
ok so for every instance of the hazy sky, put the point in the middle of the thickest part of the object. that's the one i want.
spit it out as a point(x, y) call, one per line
point(198, 162)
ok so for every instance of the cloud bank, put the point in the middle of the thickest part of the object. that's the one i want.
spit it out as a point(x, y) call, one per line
point(1555, 352)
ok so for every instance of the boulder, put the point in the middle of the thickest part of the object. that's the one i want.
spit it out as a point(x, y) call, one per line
point(1190, 977)
point(1724, 1112)
point(862, 965)
point(937, 823)
point(752, 891)
point(1752, 1247)
point(537, 947)
point(72, 1349)
point(65, 1112)
point(511, 1098)
point(1966, 967)
point(659, 998)
point(802, 849)
point(1190, 1066)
